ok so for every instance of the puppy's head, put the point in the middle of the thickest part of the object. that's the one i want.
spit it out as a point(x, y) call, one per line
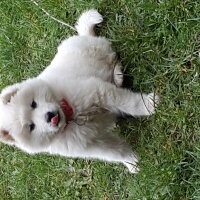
point(30, 115)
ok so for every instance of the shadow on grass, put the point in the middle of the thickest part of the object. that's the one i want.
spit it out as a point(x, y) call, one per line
point(132, 128)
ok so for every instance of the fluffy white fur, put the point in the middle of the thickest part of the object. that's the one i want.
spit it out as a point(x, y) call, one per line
point(84, 71)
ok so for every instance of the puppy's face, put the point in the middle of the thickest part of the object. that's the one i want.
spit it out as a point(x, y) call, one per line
point(30, 116)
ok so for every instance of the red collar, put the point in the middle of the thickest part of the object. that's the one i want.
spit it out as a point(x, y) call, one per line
point(67, 109)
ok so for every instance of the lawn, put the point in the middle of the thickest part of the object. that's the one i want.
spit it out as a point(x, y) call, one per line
point(158, 43)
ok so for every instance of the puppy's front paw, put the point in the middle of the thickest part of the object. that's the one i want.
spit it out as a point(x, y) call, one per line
point(151, 102)
point(132, 164)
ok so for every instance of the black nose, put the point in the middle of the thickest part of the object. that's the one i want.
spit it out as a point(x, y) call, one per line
point(49, 116)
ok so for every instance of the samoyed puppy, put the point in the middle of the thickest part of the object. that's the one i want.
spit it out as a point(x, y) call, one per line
point(70, 108)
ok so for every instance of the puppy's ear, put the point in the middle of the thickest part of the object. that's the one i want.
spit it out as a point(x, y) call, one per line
point(6, 138)
point(8, 92)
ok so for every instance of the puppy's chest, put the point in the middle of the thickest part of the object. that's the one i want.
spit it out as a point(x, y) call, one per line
point(91, 114)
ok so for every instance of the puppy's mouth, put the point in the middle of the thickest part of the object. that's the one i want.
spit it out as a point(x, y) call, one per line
point(55, 119)
point(65, 114)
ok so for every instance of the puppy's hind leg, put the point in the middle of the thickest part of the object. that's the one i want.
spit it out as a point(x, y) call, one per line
point(87, 21)
point(112, 149)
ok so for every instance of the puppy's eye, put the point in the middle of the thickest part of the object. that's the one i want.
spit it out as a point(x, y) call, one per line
point(31, 127)
point(33, 104)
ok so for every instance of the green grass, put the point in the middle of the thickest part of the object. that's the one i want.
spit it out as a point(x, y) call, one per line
point(158, 43)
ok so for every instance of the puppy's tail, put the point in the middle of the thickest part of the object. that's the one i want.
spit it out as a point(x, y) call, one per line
point(87, 21)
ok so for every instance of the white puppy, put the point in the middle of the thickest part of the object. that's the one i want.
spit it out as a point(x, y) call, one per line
point(69, 108)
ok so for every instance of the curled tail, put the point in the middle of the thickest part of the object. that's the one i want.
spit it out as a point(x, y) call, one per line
point(87, 21)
